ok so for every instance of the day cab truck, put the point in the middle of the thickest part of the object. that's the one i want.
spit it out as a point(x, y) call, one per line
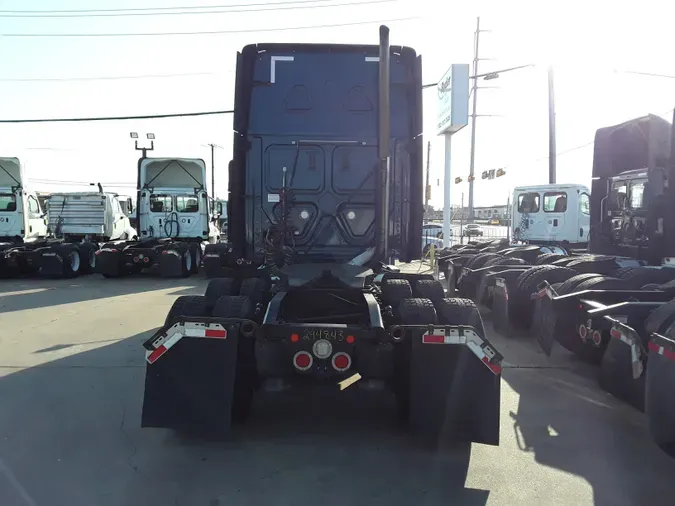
point(326, 186)
point(551, 215)
point(61, 242)
point(173, 218)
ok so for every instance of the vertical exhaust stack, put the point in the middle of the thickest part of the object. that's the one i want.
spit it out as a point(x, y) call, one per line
point(382, 237)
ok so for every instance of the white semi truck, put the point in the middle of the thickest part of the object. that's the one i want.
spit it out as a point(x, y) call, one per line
point(551, 215)
point(61, 242)
point(173, 219)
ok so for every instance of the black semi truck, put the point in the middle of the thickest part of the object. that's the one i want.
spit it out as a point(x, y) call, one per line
point(325, 187)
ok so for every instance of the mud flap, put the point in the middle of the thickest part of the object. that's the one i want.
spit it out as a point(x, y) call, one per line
point(171, 262)
point(622, 366)
point(51, 263)
point(455, 396)
point(108, 262)
point(659, 399)
point(501, 320)
point(190, 387)
point(543, 319)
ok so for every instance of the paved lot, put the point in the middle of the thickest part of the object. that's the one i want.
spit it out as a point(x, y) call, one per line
point(71, 384)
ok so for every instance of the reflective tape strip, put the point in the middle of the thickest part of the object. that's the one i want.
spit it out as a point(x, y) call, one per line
point(153, 356)
point(470, 339)
point(664, 352)
point(617, 334)
point(192, 330)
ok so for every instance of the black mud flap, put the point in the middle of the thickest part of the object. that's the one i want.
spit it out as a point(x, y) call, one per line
point(501, 320)
point(543, 320)
point(454, 395)
point(622, 366)
point(51, 263)
point(108, 262)
point(189, 385)
point(171, 263)
point(659, 388)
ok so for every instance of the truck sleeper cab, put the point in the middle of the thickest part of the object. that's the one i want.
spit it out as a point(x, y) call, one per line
point(325, 187)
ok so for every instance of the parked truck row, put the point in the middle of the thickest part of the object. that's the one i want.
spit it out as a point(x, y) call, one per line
point(614, 304)
point(92, 232)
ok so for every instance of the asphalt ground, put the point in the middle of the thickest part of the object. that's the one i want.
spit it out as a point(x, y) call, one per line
point(71, 389)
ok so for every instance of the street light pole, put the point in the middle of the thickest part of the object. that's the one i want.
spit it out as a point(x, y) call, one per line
point(551, 129)
point(474, 90)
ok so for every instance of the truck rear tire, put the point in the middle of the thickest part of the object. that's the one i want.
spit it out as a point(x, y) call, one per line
point(219, 287)
point(394, 291)
point(87, 252)
point(186, 305)
point(70, 254)
point(196, 257)
point(428, 289)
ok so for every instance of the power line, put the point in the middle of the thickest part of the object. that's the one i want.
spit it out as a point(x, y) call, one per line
point(214, 32)
point(141, 9)
point(117, 118)
point(104, 78)
point(221, 10)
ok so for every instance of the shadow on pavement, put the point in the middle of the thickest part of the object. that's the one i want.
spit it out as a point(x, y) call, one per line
point(70, 436)
point(22, 294)
point(568, 423)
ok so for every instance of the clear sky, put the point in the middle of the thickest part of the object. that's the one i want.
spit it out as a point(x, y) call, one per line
point(57, 76)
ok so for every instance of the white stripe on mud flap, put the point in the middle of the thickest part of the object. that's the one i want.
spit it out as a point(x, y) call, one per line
point(199, 330)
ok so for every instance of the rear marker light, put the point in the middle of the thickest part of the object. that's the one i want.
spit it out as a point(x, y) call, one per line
point(302, 361)
point(295, 338)
point(341, 361)
point(350, 339)
point(597, 338)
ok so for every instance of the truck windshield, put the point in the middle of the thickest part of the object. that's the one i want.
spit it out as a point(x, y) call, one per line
point(7, 202)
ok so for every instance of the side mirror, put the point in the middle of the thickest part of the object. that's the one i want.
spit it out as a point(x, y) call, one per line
point(219, 207)
point(130, 205)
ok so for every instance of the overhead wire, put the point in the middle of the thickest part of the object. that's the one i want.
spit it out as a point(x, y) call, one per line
point(142, 9)
point(215, 32)
point(282, 6)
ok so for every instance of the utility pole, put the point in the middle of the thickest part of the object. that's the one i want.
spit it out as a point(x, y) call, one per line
point(551, 129)
point(213, 170)
point(474, 90)
point(461, 221)
point(427, 187)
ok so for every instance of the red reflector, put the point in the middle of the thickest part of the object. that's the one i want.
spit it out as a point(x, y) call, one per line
point(295, 338)
point(431, 339)
point(495, 368)
point(215, 333)
point(303, 360)
point(341, 361)
point(350, 339)
point(152, 358)
point(597, 338)
point(615, 333)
